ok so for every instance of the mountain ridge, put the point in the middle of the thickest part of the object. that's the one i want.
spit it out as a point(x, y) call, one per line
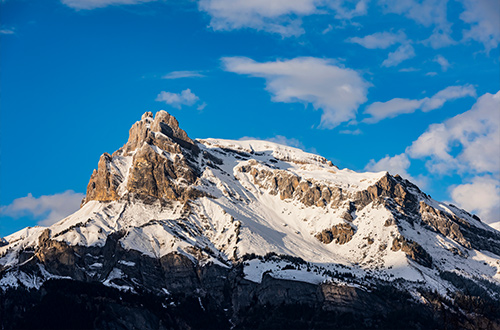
point(258, 212)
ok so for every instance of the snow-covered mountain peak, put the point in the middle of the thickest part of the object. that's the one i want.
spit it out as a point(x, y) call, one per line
point(227, 201)
point(267, 148)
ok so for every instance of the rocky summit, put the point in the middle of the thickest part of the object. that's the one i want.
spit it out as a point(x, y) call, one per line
point(176, 233)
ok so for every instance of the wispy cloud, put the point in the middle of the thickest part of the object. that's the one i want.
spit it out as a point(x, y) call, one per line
point(429, 13)
point(443, 62)
point(283, 17)
point(201, 106)
point(351, 132)
point(398, 106)
point(93, 4)
point(401, 54)
point(277, 16)
point(380, 40)
point(47, 209)
point(279, 139)
point(409, 70)
point(7, 31)
point(177, 100)
point(183, 74)
point(337, 91)
point(440, 39)
point(344, 10)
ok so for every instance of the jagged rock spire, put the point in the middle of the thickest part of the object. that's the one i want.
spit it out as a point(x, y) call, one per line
point(145, 131)
point(152, 172)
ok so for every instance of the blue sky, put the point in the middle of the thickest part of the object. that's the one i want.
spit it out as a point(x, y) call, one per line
point(405, 86)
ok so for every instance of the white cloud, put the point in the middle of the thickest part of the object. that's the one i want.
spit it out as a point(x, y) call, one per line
point(280, 139)
point(468, 145)
point(183, 74)
point(482, 195)
point(398, 106)
point(468, 142)
point(277, 16)
point(401, 54)
point(48, 208)
point(351, 132)
point(7, 31)
point(398, 164)
point(440, 38)
point(201, 106)
point(177, 100)
point(282, 17)
point(337, 91)
point(328, 29)
point(381, 40)
point(93, 4)
point(447, 94)
point(443, 62)
point(484, 18)
point(391, 109)
point(482, 15)
point(348, 9)
point(427, 13)
point(409, 70)
point(292, 142)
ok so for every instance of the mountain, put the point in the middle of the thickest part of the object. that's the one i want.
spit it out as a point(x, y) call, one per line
point(182, 233)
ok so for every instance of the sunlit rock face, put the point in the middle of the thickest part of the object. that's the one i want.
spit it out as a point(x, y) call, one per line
point(250, 234)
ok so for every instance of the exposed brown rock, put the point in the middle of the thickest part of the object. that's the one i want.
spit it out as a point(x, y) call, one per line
point(325, 236)
point(153, 173)
point(169, 126)
point(289, 185)
point(413, 250)
point(443, 223)
point(347, 216)
point(102, 185)
point(388, 186)
point(286, 183)
point(458, 229)
point(138, 133)
point(56, 255)
point(341, 233)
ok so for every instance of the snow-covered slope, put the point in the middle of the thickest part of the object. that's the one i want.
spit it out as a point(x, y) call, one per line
point(276, 209)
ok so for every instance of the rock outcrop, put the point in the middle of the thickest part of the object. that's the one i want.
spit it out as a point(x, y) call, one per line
point(162, 163)
point(413, 250)
point(103, 185)
point(341, 234)
point(389, 187)
point(291, 186)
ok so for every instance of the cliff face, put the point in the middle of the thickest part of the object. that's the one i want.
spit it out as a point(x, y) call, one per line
point(235, 229)
point(159, 152)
